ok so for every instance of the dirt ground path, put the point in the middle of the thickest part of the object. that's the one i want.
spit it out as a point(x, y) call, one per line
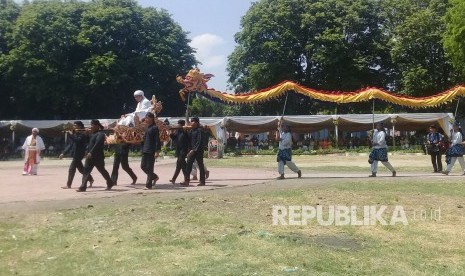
point(22, 192)
point(43, 192)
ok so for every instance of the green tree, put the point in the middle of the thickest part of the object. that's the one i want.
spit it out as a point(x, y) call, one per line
point(131, 48)
point(454, 38)
point(9, 11)
point(330, 44)
point(416, 29)
point(38, 66)
point(84, 59)
point(203, 107)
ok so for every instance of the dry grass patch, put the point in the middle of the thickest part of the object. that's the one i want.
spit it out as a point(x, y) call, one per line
point(231, 233)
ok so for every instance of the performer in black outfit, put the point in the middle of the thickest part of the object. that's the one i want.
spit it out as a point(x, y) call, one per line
point(195, 152)
point(121, 157)
point(181, 141)
point(77, 148)
point(150, 150)
point(95, 156)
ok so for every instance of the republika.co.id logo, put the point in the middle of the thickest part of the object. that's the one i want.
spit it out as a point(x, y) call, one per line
point(340, 215)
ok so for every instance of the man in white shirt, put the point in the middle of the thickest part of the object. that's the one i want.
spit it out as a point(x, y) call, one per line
point(284, 157)
point(143, 106)
point(379, 151)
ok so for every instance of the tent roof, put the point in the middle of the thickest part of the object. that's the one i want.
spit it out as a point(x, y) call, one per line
point(259, 124)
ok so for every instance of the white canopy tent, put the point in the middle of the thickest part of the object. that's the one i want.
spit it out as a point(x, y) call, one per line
point(259, 124)
point(344, 122)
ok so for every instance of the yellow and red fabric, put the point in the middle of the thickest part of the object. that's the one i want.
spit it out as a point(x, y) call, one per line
point(335, 97)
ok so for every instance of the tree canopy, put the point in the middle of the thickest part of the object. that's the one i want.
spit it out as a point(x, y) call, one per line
point(454, 38)
point(78, 59)
point(343, 45)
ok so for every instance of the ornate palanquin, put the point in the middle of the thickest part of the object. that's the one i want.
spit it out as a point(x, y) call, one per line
point(135, 134)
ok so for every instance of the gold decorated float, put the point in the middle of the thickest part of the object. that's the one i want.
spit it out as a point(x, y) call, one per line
point(135, 135)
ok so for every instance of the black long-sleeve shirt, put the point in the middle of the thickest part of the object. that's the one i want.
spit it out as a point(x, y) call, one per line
point(77, 146)
point(151, 140)
point(195, 140)
point(181, 141)
point(96, 145)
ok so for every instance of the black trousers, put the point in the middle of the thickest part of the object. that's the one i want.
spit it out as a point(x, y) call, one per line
point(146, 164)
point(180, 166)
point(198, 156)
point(76, 164)
point(123, 160)
point(89, 166)
point(436, 161)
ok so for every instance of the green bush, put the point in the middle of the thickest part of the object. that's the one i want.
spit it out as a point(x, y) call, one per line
point(300, 151)
point(234, 153)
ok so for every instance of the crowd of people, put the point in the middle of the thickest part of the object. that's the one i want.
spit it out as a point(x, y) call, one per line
point(309, 143)
point(90, 146)
point(189, 151)
point(248, 144)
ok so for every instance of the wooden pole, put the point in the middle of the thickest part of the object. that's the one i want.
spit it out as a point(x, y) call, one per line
point(456, 108)
point(394, 134)
point(336, 129)
point(285, 103)
point(187, 107)
point(373, 111)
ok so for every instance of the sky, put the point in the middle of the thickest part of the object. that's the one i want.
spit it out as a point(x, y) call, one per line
point(211, 26)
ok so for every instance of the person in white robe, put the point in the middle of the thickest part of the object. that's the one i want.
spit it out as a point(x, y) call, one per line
point(32, 150)
point(143, 106)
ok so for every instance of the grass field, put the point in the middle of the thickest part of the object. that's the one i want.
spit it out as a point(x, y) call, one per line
point(231, 232)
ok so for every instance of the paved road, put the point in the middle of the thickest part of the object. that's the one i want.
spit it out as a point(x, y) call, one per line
point(52, 176)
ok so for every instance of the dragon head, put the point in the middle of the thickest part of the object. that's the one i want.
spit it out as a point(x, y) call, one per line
point(193, 81)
